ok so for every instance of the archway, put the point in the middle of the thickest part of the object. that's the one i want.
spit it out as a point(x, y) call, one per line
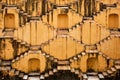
point(113, 21)
point(9, 21)
point(34, 65)
point(62, 21)
point(92, 64)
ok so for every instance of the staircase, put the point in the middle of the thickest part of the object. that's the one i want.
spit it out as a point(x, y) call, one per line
point(63, 65)
point(5, 65)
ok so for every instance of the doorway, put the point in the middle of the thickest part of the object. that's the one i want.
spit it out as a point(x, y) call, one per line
point(62, 21)
point(92, 64)
point(34, 65)
point(9, 21)
point(113, 21)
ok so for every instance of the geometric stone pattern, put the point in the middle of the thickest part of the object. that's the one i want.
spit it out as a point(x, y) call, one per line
point(44, 39)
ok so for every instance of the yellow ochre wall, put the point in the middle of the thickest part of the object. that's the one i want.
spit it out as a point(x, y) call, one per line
point(62, 32)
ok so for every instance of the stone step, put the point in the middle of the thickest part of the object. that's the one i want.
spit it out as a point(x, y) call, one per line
point(63, 62)
point(34, 74)
point(93, 78)
point(17, 72)
point(25, 77)
point(63, 67)
point(116, 35)
point(12, 70)
point(115, 32)
point(34, 18)
point(62, 35)
point(7, 68)
point(62, 32)
point(83, 53)
point(50, 72)
point(87, 18)
point(42, 77)
point(109, 71)
point(11, 6)
point(46, 75)
point(34, 47)
point(92, 51)
point(21, 75)
point(91, 47)
point(77, 72)
point(105, 73)
point(101, 76)
point(117, 66)
point(17, 58)
point(23, 43)
point(8, 32)
point(72, 70)
point(6, 63)
point(117, 62)
point(34, 78)
point(113, 69)
point(55, 70)
point(85, 77)
point(92, 73)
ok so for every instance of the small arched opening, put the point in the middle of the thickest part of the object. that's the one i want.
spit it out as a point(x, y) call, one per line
point(62, 21)
point(9, 21)
point(113, 21)
point(92, 65)
point(34, 65)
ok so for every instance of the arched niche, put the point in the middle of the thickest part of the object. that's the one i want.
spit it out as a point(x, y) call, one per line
point(62, 21)
point(9, 21)
point(92, 64)
point(113, 21)
point(33, 65)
